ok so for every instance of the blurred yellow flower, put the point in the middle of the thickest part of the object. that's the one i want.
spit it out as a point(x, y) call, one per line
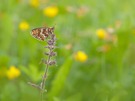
point(24, 25)
point(34, 3)
point(13, 72)
point(50, 11)
point(101, 33)
point(81, 56)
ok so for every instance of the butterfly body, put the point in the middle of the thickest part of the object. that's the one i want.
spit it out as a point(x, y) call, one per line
point(42, 33)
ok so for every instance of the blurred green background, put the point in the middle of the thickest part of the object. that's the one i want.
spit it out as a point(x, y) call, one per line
point(95, 58)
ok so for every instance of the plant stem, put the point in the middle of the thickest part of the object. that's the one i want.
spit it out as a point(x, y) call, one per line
point(45, 73)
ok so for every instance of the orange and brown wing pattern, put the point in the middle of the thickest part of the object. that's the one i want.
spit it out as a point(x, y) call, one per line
point(42, 33)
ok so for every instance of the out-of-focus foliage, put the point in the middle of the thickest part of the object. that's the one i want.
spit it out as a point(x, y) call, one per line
point(96, 50)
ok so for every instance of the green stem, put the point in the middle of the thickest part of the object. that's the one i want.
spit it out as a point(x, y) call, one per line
point(45, 76)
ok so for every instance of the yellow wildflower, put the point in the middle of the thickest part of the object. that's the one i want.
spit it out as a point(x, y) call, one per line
point(24, 25)
point(13, 72)
point(101, 33)
point(51, 11)
point(34, 3)
point(81, 56)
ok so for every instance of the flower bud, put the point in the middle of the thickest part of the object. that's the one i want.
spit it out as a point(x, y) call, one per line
point(50, 42)
point(53, 53)
point(52, 62)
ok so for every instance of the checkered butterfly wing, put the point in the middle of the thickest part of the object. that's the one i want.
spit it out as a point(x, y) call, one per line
point(42, 33)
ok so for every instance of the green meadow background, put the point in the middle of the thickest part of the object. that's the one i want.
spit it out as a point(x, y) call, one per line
point(105, 76)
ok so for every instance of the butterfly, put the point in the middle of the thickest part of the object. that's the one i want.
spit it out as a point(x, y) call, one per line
point(42, 33)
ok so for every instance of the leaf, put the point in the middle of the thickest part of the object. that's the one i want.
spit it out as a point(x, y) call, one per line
point(32, 72)
point(61, 76)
